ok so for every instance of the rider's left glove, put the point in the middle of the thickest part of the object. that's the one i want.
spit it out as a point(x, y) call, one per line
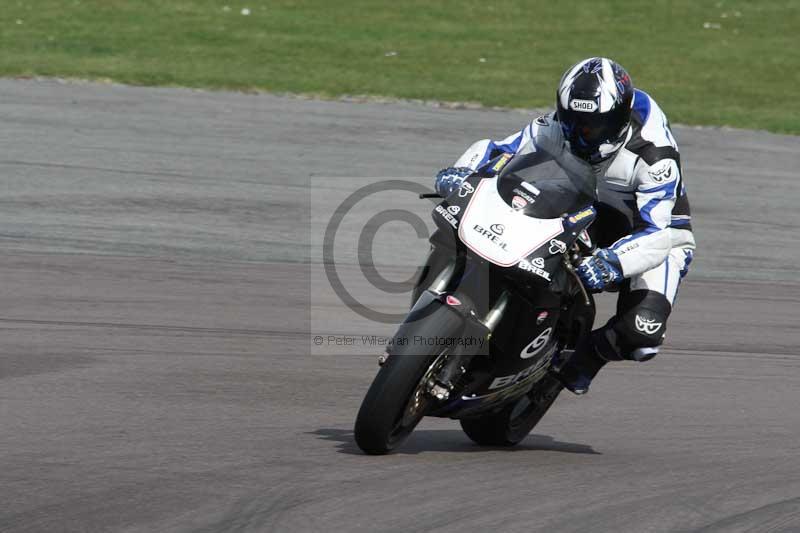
point(450, 179)
point(600, 271)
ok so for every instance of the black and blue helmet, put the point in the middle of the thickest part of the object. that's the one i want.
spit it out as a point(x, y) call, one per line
point(593, 106)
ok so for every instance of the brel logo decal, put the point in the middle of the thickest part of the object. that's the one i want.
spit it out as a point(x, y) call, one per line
point(497, 228)
point(492, 235)
point(535, 267)
point(447, 216)
point(505, 381)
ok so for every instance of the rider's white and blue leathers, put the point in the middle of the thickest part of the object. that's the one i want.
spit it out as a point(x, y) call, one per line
point(642, 185)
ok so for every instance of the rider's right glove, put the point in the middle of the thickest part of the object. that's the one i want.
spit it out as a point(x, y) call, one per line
point(450, 179)
point(600, 270)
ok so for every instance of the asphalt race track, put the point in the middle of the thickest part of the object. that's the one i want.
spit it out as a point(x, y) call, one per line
point(161, 284)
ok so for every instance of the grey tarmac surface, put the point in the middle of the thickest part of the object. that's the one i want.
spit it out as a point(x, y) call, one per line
point(160, 286)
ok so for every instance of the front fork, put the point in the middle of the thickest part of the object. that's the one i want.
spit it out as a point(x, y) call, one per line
point(577, 318)
point(457, 362)
point(433, 284)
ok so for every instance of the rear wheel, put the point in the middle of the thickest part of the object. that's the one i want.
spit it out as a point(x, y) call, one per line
point(398, 397)
point(513, 423)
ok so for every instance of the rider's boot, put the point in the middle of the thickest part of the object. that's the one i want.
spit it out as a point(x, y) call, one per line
point(577, 373)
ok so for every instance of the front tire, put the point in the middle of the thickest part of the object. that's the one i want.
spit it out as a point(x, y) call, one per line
point(513, 423)
point(398, 399)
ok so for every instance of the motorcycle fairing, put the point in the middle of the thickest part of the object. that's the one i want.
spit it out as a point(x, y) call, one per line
point(497, 232)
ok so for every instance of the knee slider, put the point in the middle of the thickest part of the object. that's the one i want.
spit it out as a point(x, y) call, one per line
point(643, 354)
point(611, 346)
point(642, 328)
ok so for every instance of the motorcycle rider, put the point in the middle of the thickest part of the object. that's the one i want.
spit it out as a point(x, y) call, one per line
point(619, 136)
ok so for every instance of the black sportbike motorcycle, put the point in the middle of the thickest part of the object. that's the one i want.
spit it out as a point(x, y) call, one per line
point(497, 308)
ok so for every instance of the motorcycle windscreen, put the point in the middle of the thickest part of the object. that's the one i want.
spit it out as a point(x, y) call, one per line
point(542, 187)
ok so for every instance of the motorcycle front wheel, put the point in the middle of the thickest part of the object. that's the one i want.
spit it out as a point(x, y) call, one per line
point(398, 397)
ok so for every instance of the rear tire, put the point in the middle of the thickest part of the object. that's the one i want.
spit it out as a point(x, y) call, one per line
point(397, 399)
point(513, 423)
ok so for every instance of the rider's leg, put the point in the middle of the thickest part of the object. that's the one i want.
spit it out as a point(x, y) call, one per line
point(636, 331)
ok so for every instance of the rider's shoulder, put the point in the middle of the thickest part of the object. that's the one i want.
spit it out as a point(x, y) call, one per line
point(545, 133)
point(651, 137)
point(544, 122)
point(545, 126)
point(646, 110)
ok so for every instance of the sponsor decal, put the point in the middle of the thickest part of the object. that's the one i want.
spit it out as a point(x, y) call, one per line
point(491, 235)
point(452, 300)
point(505, 381)
point(542, 317)
point(465, 189)
point(536, 344)
point(580, 215)
point(647, 326)
point(525, 196)
point(629, 247)
point(447, 216)
point(586, 106)
point(518, 202)
point(542, 120)
point(557, 247)
point(454, 209)
point(501, 163)
point(531, 187)
point(531, 266)
point(497, 228)
point(663, 174)
point(584, 238)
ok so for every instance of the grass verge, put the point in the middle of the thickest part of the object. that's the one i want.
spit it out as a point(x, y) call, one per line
point(719, 62)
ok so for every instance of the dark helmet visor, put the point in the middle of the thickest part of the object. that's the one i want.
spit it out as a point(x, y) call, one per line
point(592, 129)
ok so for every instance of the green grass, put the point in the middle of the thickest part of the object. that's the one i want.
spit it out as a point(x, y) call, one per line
point(746, 73)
